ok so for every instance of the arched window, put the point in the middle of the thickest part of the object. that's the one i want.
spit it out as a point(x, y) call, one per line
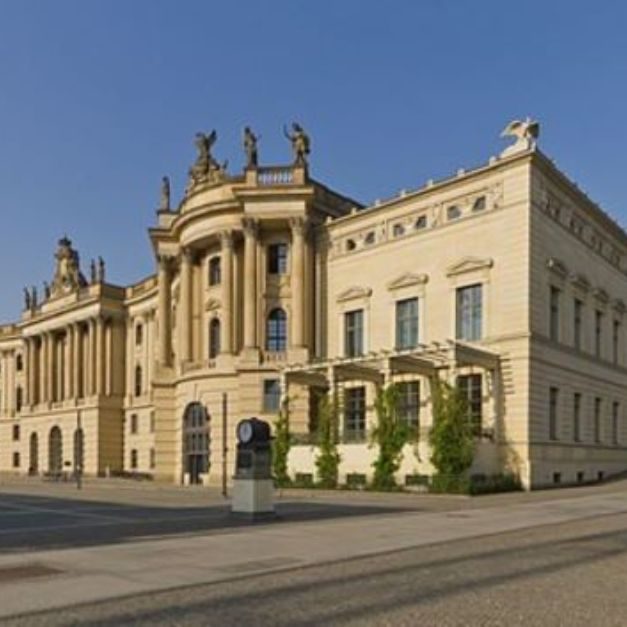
point(276, 330)
point(214, 338)
point(19, 363)
point(139, 334)
point(138, 381)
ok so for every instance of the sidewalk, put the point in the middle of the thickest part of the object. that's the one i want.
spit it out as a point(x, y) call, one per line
point(107, 572)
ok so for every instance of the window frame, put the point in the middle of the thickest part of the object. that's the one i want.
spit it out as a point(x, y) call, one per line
point(276, 330)
point(410, 320)
point(214, 270)
point(473, 394)
point(277, 258)
point(472, 310)
point(354, 333)
point(354, 414)
point(273, 395)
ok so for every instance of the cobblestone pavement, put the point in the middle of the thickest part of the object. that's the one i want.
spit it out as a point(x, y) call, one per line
point(568, 574)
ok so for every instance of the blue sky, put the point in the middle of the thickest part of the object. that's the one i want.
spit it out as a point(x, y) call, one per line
point(99, 99)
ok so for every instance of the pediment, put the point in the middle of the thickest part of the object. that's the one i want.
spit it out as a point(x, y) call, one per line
point(558, 267)
point(469, 264)
point(601, 295)
point(353, 293)
point(407, 280)
point(212, 303)
point(580, 281)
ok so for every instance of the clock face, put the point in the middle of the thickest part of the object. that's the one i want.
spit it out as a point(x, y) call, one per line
point(244, 431)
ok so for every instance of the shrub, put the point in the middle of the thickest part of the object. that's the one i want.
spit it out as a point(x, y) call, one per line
point(328, 458)
point(391, 433)
point(303, 480)
point(355, 481)
point(417, 480)
point(281, 447)
point(449, 484)
point(451, 436)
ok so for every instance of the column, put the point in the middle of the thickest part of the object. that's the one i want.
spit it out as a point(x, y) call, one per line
point(42, 369)
point(92, 356)
point(184, 312)
point(298, 281)
point(100, 356)
point(163, 307)
point(69, 358)
point(76, 360)
point(50, 367)
point(28, 392)
point(109, 357)
point(227, 291)
point(250, 282)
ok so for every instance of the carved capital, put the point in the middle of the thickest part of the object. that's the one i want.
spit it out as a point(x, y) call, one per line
point(165, 261)
point(250, 226)
point(299, 226)
point(187, 255)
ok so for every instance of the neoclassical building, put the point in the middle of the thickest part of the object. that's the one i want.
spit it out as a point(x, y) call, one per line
point(506, 280)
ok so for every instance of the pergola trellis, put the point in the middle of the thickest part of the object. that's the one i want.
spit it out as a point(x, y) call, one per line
point(426, 360)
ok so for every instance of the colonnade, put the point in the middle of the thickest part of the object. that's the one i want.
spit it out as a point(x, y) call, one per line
point(250, 230)
point(73, 361)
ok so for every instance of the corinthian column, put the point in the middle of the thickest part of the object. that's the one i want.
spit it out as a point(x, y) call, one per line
point(250, 282)
point(184, 317)
point(227, 291)
point(163, 310)
point(100, 356)
point(298, 281)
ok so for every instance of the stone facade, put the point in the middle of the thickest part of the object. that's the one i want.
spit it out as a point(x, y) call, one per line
point(506, 280)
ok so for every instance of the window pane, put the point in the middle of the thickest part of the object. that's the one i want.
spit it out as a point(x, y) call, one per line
point(277, 258)
point(353, 333)
point(271, 395)
point(469, 312)
point(470, 387)
point(407, 323)
point(355, 414)
point(409, 403)
point(276, 331)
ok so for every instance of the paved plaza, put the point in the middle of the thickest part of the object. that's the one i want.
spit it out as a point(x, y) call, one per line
point(175, 556)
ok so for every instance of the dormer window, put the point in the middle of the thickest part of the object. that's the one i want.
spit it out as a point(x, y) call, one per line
point(277, 258)
point(215, 271)
point(453, 212)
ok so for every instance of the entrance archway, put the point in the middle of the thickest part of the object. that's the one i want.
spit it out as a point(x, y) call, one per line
point(195, 442)
point(55, 451)
point(33, 462)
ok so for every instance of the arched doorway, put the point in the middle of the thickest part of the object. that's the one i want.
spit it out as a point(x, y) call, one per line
point(55, 451)
point(195, 442)
point(79, 448)
point(33, 462)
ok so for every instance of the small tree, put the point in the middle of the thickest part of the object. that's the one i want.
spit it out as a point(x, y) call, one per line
point(328, 458)
point(391, 433)
point(451, 436)
point(281, 445)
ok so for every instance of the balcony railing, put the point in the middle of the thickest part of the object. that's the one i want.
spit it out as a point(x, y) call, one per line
point(275, 176)
point(271, 357)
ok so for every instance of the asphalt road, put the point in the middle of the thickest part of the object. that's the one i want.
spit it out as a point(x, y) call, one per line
point(569, 574)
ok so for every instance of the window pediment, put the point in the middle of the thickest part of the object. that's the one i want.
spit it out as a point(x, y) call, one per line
point(580, 281)
point(469, 264)
point(557, 267)
point(601, 295)
point(619, 305)
point(353, 293)
point(212, 304)
point(407, 280)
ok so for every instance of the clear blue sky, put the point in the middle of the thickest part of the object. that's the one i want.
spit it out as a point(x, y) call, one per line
point(99, 99)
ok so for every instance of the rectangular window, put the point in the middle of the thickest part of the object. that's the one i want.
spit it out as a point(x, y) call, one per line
point(354, 333)
point(554, 327)
point(271, 395)
point(139, 334)
point(152, 422)
point(597, 420)
point(277, 258)
point(16, 460)
point(470, 388)
point(409, 403)
point(553, 400)
point(134, 459)
point(598, 335)
point(215, 271)
point(615, 340)
point(577, 417)
point(469, 312)
point(133, 423)
point(615, 417)
point(152, 458)
point(578, 313)
point(355, 414)
point(407, 323)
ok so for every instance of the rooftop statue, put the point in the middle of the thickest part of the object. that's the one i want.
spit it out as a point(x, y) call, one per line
point(101, 270)
point(67, 276)
point(93, 273)
point(300, 143)
point(26, 298)
point(526, 133)
point(164, 204)
point(250, 148)
point(46, 290)
point(206, 168)
point(33, 297)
